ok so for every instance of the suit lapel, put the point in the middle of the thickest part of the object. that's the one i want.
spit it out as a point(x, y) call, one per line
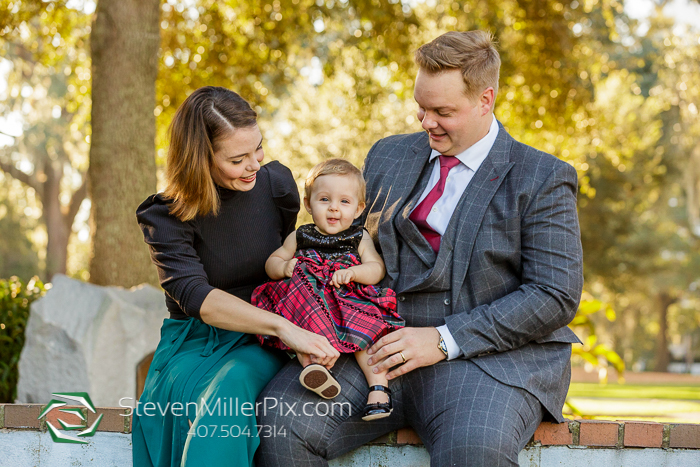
point(405, 226)
point(406, 178)
point(474, 201)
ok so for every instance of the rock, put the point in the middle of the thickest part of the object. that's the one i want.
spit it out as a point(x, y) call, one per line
point(83, 337)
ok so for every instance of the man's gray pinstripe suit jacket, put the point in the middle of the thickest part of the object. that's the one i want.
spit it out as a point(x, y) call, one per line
point(508, 276)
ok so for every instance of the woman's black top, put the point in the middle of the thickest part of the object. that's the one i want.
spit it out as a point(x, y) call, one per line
point(227, 251)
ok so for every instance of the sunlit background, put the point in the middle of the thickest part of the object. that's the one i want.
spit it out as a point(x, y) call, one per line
point(611, 87)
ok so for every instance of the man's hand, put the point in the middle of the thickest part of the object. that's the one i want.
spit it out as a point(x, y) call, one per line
point(343, 276)
point(289, 267)
point(418, 346)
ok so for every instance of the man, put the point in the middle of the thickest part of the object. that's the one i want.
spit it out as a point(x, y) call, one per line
point(481, 242)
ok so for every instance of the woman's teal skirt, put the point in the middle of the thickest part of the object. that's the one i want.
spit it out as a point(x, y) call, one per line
point(197, 407)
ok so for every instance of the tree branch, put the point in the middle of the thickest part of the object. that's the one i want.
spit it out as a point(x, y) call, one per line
point(17, 174)
point(23, 53)
point(75, 201)
point(11, 136)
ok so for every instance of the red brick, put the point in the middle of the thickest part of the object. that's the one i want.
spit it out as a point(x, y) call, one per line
point(553, 434)
point(643, 434)
point(70, 418)
point(22, 415)
point(407, 436)
point(598, 433)
point(682, 436)
point(113, 419)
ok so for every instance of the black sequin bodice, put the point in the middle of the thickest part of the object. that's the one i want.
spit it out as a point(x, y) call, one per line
point(329, 246)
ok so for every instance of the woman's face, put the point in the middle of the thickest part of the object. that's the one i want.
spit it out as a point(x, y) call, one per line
point(237, 159)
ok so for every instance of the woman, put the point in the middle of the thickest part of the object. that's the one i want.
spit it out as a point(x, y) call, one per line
point(210, 233)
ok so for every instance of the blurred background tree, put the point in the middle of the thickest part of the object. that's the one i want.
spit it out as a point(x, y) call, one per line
point(615, 96)
point(48, 88)
point(124, 43)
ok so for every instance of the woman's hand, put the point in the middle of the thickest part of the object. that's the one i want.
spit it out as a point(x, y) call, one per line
point(306, 360)
point(289, 267)
point(343, 276)
point(312, 347)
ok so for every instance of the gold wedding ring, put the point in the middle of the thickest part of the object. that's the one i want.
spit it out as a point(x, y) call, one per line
point(402, 356)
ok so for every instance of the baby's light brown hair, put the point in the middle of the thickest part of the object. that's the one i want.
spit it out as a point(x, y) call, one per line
point(335, 167)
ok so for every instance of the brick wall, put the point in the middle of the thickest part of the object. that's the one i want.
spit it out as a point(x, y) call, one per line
point(594, 433)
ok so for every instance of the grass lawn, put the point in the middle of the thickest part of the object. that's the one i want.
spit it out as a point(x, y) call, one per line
point(657, 402)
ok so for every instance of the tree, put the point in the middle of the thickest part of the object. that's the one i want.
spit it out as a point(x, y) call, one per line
point(17, 255)
point(48, 84)
point(124, 43)
point(637, 217)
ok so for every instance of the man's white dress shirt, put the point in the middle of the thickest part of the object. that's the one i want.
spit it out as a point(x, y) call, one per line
point(457, 181)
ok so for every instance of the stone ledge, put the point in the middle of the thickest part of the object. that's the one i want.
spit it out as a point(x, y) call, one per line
point(24, 447)
point(583, 433)
point(591, 433)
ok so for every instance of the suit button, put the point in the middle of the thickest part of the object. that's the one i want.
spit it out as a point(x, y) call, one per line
point(401, 298)
point(447, 301)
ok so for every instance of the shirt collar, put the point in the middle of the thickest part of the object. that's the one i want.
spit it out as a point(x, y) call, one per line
point(474, 155)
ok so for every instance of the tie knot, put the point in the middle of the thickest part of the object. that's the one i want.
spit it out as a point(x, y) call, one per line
point(448, 161)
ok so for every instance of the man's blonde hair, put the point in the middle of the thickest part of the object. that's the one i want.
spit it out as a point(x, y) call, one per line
point(335, 167)
point(472, 52)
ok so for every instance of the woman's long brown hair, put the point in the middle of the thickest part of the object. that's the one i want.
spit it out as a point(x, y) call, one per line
point(207, 116)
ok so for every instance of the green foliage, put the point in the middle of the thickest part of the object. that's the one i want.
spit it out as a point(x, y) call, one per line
point(614, 97)
point(48, 80)
point(15, 299)
point(592, 351)
point(639, 204)
point(17, 254)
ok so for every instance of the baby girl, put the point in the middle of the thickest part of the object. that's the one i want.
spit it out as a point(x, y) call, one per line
point(325, 274)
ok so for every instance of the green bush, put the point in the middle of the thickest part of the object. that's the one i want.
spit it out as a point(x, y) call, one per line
point(15, 298)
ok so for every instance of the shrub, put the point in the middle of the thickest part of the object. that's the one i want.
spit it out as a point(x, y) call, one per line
point(15, 298)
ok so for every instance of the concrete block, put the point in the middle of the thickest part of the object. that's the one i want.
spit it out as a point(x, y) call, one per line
point(20, 448)
point(103, 449)
point(561, 456)
point(359, 457)
point(399, 456)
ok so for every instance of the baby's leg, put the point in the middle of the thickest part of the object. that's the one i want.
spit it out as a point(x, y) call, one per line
point(373, 379)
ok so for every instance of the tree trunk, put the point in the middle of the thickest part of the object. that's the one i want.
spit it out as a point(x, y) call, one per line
point(663, 356)
point(57, 231)
point(124, 43)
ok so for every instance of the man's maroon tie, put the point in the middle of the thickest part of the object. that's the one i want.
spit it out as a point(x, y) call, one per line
point(419, 215)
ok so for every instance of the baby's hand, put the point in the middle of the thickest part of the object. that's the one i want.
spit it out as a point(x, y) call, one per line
point(289, 267)
point(343, 276)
